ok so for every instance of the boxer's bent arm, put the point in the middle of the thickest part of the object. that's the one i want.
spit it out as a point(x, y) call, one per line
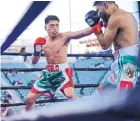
point(108, 37)
point(35, 59)
point(79, 34)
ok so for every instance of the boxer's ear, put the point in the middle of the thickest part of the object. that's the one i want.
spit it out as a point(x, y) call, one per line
point(105, 5)
point(45, 27)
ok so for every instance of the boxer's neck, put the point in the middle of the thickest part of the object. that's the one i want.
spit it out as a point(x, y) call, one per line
point(113, 10)
point(52, 38)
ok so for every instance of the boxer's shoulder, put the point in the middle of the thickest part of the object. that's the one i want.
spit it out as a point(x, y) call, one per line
point(65, 35)
point(121, 14)
point(114, 20)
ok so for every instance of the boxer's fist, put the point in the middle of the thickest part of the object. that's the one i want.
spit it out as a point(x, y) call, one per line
point(92, 19)
point(38, 44)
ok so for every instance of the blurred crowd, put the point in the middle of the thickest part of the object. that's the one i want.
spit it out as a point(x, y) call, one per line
point(6, 98)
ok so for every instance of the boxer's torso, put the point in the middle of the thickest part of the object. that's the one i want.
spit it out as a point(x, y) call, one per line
point(56, 50)
point(127, 33)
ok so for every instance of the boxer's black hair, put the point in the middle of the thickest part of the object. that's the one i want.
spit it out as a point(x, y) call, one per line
point(101, 2)
point(51, 17)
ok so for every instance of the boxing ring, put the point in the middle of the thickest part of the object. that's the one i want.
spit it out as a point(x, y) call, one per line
point(40, 69)
point(110, 114)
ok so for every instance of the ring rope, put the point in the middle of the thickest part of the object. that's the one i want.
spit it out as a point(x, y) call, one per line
point(37, 102)
point(26, 87)
point(40, 69)
point(69, 55)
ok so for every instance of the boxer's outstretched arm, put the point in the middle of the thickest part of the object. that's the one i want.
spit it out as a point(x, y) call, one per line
point(108, 37)
point(78, 34)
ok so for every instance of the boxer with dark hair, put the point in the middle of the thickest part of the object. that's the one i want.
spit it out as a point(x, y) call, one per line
point(121, 30)
point(57, 74)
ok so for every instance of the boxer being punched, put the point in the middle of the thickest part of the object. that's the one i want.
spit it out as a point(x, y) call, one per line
point(121, 30)
point(57, 74)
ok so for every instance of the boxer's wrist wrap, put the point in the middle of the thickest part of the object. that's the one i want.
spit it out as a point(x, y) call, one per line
point(37, 50)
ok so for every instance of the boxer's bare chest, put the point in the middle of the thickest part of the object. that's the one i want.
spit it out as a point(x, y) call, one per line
point(54, 48)
point(127, 32)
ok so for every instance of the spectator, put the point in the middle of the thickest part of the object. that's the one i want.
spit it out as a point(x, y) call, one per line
point(6, 111)
point(8, 96)
point(12, 73)
point(23, 51)
point(30, 84)
point(17, 82)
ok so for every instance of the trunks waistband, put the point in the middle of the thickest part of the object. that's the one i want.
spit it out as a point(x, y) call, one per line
point(131, 50)
point(57, 67)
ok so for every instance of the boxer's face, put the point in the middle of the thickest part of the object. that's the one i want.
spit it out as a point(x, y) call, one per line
point(104, 11)
point(52, 28)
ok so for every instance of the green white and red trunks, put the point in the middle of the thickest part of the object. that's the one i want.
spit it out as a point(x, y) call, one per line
point(123, 72)
point(57, 76)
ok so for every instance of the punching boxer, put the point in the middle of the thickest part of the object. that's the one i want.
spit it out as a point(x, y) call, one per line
point(57, 74)
point(121, 31)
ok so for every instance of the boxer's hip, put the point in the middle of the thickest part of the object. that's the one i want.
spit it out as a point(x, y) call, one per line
point(57, 67)
point(124, 66)
point(131, 50)
point(125, 56)
point(55, 76)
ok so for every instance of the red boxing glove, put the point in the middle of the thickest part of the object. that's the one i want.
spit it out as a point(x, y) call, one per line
point(37, 45)
point(97, 29)
point(39, 41)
